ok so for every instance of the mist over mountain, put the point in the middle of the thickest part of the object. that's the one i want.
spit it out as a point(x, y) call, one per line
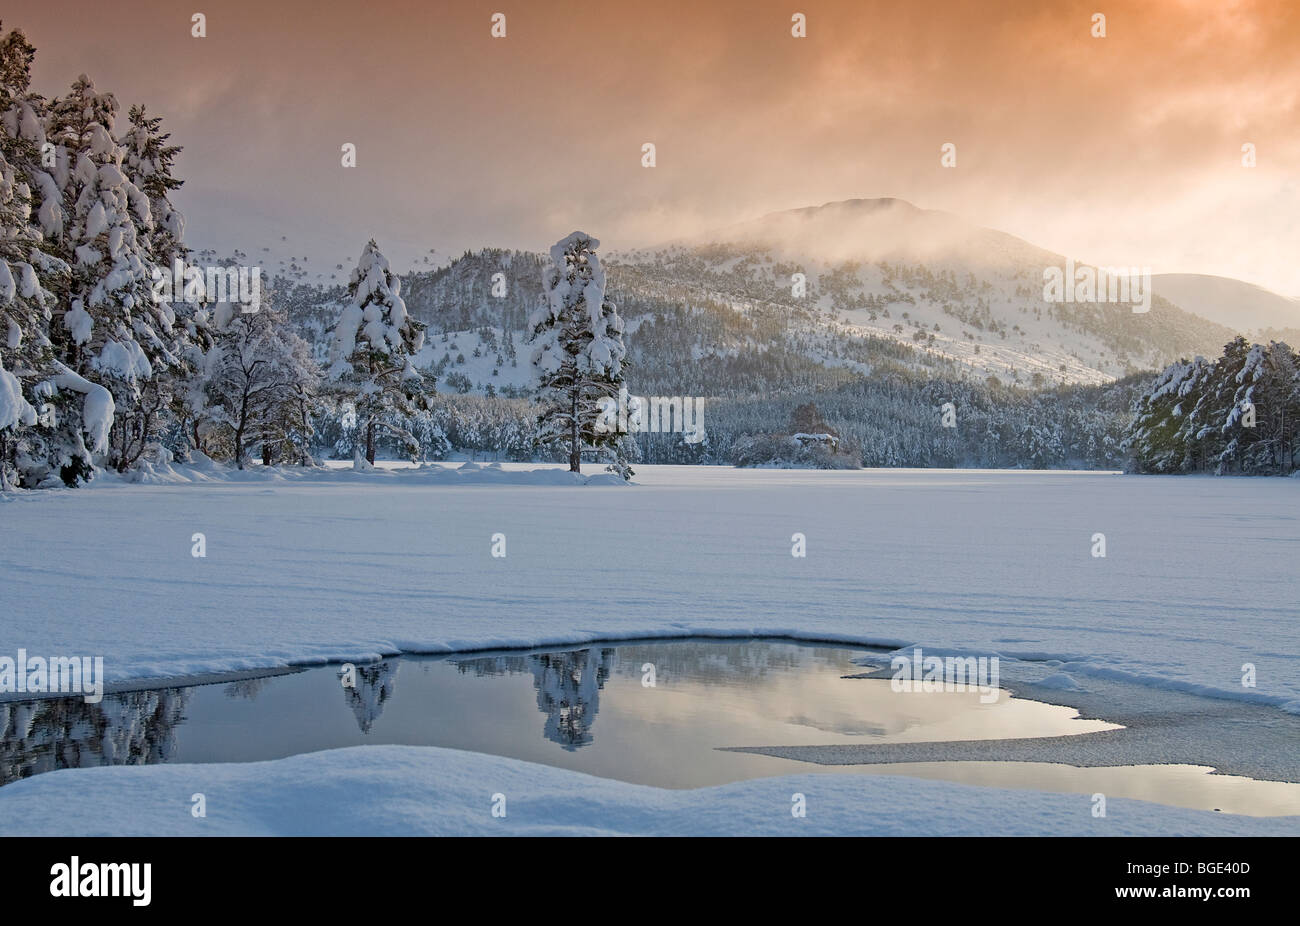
point(815, 298)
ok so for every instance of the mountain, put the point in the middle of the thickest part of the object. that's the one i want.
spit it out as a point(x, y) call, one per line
point(1243, 307)
point(952, 293)
point(887, 288)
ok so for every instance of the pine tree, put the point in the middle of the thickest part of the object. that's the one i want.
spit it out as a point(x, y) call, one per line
point(24, 318)
point(1260, 423)
point(1214, 412)
point(109, 329)
point(37, 440)
point(16, 56)
point(80, 238)
point(1194, 443)
point(578, 353)
point(1239, 414)
point(372, 352)
point(148, 162)
point(1163, 434)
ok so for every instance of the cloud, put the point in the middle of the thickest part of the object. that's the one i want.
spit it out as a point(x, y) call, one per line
point(1127, 145)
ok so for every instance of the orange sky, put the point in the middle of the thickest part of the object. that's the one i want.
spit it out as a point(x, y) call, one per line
point(1123, 150)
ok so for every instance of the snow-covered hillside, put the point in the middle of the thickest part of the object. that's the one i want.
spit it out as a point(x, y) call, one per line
point(486, 361)
point(928, 280)
point(883, 284)
point(809, 298)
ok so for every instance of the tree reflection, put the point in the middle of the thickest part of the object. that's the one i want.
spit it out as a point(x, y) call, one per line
point(129, 728)
point(568, 686)
point(375, 684)
point(568, 692)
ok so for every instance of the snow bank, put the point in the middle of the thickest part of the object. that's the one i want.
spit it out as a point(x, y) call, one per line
point(412, 790)
point(205, 470)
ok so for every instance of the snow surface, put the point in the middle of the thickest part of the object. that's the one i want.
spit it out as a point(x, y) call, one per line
point(411, 790)
point(307, 566)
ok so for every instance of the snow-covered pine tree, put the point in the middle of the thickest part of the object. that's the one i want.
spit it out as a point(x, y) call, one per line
point(16, 57)
point(1239, 414)
point(372, 352)
point(24, 313)
point(1213, 414)
point(108, 328)
point(1260, 424)
point(1194, 444)
point(578, 353)
point(148, 162)
point(1162, 436)
point(87, 234)
point(39, 439)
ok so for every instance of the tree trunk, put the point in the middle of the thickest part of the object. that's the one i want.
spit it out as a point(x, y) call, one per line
point(370, 442)
point(305, 424)
point(575, 445)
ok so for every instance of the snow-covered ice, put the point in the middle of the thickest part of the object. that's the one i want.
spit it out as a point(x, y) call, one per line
point(1199, 577)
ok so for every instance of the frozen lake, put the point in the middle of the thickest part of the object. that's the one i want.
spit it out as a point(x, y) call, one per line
point(1186, 632)
point(1199, 577)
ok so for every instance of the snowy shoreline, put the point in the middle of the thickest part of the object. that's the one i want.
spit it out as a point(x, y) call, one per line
point(884, 647)
point(429, 791)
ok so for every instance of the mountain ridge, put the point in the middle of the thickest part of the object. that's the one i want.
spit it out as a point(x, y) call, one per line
point(885, 285)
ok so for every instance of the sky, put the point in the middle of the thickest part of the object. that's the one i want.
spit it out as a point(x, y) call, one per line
point(1123, 150)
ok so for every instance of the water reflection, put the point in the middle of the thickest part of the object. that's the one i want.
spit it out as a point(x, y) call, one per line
point(709, 697)
point(568, 687)
point(706, 695)
point(372, 687)
point(568, 693)
point(132, 728)
point(246, 689)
